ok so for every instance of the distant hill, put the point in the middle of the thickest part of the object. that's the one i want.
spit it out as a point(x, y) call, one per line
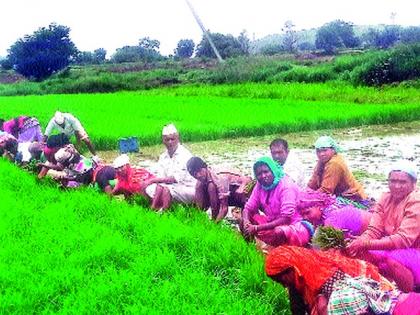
point(305, 36)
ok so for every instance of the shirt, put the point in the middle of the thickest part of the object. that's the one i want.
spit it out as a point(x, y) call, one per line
point(398, 223)
point(335, 178)
point(294, 168)
point(71, 125)
point(176, 166)
point(275, 203)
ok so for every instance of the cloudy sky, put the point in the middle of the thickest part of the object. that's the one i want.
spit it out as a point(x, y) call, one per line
point(113, 24)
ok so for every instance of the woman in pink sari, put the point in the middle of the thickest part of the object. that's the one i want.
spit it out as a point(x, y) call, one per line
point(392, 240)
point(270, 213)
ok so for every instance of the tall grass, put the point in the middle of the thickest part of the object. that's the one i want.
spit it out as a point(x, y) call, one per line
point(78, 252)
point(364, 68)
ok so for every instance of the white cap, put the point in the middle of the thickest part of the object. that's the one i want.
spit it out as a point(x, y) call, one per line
point(121, 160)
point(59, 118)
point(169, 130)
point(405, 166)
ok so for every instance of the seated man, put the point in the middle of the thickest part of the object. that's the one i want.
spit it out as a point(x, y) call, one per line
point(392, 240)
point(279, 149)
point(217, 190)
point(68, 125)
point(173, 179)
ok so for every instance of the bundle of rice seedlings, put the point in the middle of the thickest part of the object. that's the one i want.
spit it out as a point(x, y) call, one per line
point(327, 237)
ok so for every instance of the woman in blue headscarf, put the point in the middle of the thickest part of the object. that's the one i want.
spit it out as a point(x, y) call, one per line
point(331, 174)
point(276, 196)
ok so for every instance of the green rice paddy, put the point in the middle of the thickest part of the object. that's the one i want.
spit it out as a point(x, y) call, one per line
point(79, 252)
point(204, 113)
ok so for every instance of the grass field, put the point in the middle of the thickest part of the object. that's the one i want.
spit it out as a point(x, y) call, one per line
point(203, 113)
point(80, 253)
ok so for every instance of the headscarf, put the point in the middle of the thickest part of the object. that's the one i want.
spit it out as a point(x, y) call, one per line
point(275, 168)
point(327, 142)
point(66, 154)
point(121, 160)
point(405, 166)
point(313, 268)
point(314, 198)
point(195, 164)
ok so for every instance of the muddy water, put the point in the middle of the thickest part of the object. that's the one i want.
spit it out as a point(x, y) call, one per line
point(368, 157)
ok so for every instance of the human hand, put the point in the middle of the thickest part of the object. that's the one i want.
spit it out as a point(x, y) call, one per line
point(356, 247)
point(250, 229)
point(170, 180)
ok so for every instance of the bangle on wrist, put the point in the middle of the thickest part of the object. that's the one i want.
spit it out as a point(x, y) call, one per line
point(366, 244)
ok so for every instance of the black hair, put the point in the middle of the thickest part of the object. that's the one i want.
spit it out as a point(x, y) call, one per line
point(195, 164)
point(279, 141)
point(1, 124)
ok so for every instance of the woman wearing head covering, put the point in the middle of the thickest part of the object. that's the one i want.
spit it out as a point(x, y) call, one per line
point(217, 189)
point(323, 209)
point(331, 174)
point(129, 180)
point(392, 240)
point(23, 128)
point(323, 280)
point(276, 196)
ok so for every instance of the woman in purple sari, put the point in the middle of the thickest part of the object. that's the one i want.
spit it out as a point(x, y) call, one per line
point(323, 209)
point(23, 128)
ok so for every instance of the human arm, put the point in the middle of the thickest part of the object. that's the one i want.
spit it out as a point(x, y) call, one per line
point(332, 174)
point(50, 127)
point(314, 181)
point(288, 207)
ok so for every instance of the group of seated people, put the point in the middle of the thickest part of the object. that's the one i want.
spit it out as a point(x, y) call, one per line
point(376, 273)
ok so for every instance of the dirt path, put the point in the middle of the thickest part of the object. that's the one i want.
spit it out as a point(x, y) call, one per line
point(368, 150)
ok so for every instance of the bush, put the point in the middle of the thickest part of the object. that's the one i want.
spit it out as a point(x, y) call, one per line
point(402, 63)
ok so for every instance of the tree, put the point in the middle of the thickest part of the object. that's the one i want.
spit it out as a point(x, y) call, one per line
point(334, 35)
point(244, 42)
point(146, 51)
point(290, 37)
point(99, 55)
point(46, 51)
point(184, 48)
point(383, 38)
point(227, 45)
point(410, 35)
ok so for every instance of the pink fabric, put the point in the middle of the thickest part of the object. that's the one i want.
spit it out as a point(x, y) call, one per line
point(408, 304)
point(278, 202)
point(409, 257)
point(396, 222)
point(9, 125)
point(295, 234)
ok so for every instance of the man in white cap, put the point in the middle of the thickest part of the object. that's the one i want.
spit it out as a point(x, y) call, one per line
point(392, 240)
point(69, 125)
point(173, 182)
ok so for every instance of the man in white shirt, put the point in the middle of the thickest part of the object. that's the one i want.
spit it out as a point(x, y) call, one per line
point(69, 125)
point(173, 182)
point(291, 165)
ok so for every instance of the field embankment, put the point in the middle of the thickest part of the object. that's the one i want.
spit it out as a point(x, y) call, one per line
point(79, 252)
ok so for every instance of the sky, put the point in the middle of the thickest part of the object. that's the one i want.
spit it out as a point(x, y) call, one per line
point(112, 24)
